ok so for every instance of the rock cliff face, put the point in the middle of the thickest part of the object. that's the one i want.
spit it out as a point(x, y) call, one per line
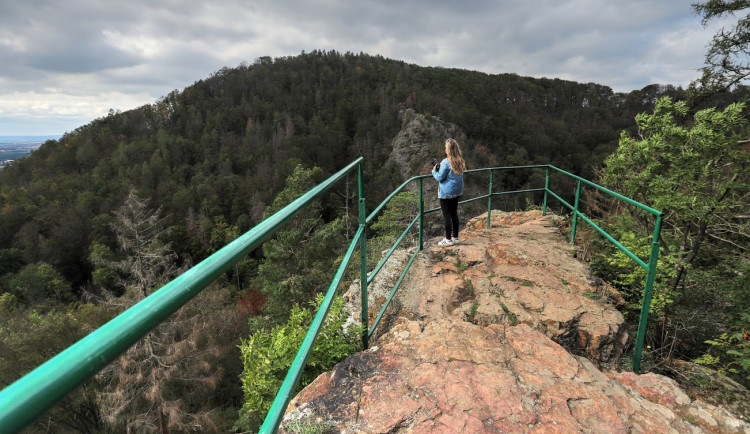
point(505, 332)
point(421, 138)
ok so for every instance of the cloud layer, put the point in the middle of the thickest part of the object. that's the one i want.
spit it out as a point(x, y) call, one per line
point(66, 63)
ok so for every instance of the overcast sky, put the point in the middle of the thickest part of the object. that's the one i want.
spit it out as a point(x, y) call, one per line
point(65, 63)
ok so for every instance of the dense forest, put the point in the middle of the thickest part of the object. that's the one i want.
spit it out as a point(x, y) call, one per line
point(180, 178)
point(218, 152)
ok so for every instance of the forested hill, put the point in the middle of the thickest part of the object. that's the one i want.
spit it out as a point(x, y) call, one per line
point(215, 154)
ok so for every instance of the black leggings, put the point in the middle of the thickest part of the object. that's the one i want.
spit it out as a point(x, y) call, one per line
point(450, 216)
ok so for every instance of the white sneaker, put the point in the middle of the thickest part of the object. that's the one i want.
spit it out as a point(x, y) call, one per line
point(455, 240)
point(445, 242)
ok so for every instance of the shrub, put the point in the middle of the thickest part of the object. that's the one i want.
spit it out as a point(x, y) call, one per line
point(267, 356)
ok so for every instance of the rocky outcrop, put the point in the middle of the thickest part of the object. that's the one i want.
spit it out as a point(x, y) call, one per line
point(713, 388)
point(421, 139)
point(521, 271)
point(462, 377)
point(505, 332)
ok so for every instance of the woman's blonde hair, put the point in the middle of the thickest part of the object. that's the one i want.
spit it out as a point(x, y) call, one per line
point(458, 165)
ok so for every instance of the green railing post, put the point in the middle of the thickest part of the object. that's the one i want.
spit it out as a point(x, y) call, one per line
point(647, 292)
point(575, 215)
point(363, 256)
point(546, 189)
point(421, 216)
point(489, 202)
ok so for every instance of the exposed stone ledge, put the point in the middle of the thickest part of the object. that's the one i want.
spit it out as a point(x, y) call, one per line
point(505, 332)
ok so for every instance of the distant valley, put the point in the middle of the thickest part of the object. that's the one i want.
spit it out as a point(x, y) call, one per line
point(15, 147)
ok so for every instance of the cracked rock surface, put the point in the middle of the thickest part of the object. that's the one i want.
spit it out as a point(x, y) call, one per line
point(520, 271)
point(502, 333)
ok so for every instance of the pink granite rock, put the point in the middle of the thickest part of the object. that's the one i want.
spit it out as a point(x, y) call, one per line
point(501, 334)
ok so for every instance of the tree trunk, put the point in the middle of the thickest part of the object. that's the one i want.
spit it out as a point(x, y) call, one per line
point(162, 420)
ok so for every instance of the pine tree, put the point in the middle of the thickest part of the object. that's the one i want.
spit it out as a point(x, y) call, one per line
point(299, 261)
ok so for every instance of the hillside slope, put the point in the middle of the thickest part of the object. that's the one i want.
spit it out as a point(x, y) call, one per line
point(214, 155)
point(506, 332)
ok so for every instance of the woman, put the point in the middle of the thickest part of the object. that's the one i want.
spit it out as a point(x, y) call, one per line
point(450, 178)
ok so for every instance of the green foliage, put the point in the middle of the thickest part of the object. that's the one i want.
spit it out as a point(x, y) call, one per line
point(299, 260)
point(308, 426)
point(531, 205)
point(592, 295)
point(10, 261)
point(104, 276)
point(512, 317)
point(389, 226)
point(687, 172)
point(730, 353)
point(398, 213)
point(726, 59)
point(267, 356)
point(37, 284)
point(698, 175)
point(213, 156)
point(618, 268)
point(8, 302)
point(474, 309)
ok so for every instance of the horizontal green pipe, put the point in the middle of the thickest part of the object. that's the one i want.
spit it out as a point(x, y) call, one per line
point(28, 398)
point(474, 199)
point(608, 191)
point(517, 191)
point(601, 231)
point(487, 169)
point(385, 201)
point(393, 292)
point(285, 393)
point(399, 188)
point(376, 270)
point(460, 203)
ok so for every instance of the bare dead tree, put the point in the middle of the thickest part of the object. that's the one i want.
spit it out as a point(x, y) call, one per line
point(161, 382)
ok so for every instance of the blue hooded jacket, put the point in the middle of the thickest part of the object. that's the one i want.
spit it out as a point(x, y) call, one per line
point(450, 185)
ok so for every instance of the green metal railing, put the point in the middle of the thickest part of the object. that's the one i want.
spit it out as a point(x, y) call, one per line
point(29, 397)
point(650, 267)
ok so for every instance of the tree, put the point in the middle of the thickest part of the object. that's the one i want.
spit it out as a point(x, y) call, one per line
point(299, 261)
point(41, 283)
point(727, 61)
point(161, 382)
point(698, 175)
point(267, 356)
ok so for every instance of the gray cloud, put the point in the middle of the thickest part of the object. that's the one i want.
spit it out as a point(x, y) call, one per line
point(81, 57)
point(72, 61)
